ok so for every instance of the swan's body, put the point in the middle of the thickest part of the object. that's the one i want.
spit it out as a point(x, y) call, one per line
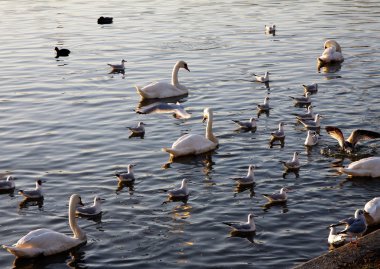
point(309, 115)
point(248, 179)
point(372, 211)
point(164, 89)
point(356, 135)
point(294, 163)
point(118, 67)
point(367, 167)
point(8, 184)
point(182, 192)
point(177, 109)
point(93, 210)
point(194, 143)
point(311, 139)
point(309, 124)
point(334, 238)
point(264, 78)
point(128, 176)
point(37, 193)
point(248, 226)
point(47, 242)
point(332, 53)
point(313, 88)
point(277, 197)
point(247, 125)
point(265, 105)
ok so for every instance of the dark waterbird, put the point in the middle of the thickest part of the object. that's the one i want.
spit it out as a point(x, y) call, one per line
point(105, 20)
point(62, 52)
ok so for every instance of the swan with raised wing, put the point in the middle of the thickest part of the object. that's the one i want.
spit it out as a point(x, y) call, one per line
point(164, 89)
point(189, 144)
point(45, 242)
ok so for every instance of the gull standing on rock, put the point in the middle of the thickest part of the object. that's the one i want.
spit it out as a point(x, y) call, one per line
point(311, 139)
point(248, 226)
point(248, 179)
point(335, 239)
point(37, 193)
point(128, 176)
point(348, 145)
point(356, 226)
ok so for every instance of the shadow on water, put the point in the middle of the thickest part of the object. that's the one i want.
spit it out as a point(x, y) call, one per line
point(204, 159)
point(246, 235)
point(239, 188)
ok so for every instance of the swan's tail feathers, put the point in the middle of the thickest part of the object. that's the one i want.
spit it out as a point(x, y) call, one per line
point(171, 151)
point(23, 252)
point(140, 92)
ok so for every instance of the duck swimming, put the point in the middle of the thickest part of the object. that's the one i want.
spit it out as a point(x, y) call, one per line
point(164, 89)
point(45, 242)
point(189, 144)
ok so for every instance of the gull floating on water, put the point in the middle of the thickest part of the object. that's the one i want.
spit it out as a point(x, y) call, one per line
point(265, 105)
point(37, 193)
point(372, 211)
point(311, 139)
point(8, 184)
point(356, 135)
point(45, 242)
point(316, 123)
point(313, 88)
point(248, 226)
point(303, 100)
point(278, 135)
point(354, 226)
point(335, 239)
point(182, 192)
point(139, 129)
point(164, 89)
point(128, 176)
point(270, 29)
point(93, 210)
point(293, 164)
point(247, 125)
point(367, 167)
point(177, 109)
point(118, 67)
point(248, 179)
point(263, 79)
point(278, 197)
point(332, 53)
point(309, 115)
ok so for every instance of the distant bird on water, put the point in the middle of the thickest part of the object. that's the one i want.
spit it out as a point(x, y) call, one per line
point(127, 176)
point(248, 226)
point(248, 179)
point(89, 211)
point(294, 163)
point(313, 88)
point(348, 145)
point(311, 139)
point(118, 67)
point(247, 125)
point(62, 52)
point(264, 78)
point(303, 100)
point(139, 129)
point(37, 193)
point(182, 192)
point(278, 197)
point(265, 105)
point(8, 184)
point(105, 20)
point(270, 29)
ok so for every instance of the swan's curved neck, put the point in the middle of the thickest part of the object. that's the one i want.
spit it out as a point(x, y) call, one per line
point(209, 135)
point(78, 233)
point(175, 75)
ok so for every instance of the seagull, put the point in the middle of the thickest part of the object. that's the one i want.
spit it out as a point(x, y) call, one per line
point(303, 100)
point(37, 193)
point(62, 52)
point(118, 67)
point(265, 106)
point(182, 192)
point(89, 211)
point(316, 123)
point(335, 239)
point(348, 145)
point(248, 179)
point(311, 139)
point(313, 88)
point(270, 29)
point(128, 176)
point(278, 197)
point(279, 134)
point(354, 226)
point(8, 184)
point(294, 163)
point(264, 78)
point(309, 115)
point(248, 125)
point(248, 226)
point(139, 129)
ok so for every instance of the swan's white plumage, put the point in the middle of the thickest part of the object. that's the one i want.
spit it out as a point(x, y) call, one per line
point(164, 89)
point(372, 207)
point(367, 167)
point(189, 144)
point(332, 52)
point(48, 242)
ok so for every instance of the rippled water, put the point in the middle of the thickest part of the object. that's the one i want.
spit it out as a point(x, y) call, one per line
point(63, 120)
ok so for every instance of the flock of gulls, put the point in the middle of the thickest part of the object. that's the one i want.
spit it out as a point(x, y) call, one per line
point(48, 242)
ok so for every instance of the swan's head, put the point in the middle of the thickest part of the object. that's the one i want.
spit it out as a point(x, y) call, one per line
point(183, 64)
point(206, 113)
point(76, 200)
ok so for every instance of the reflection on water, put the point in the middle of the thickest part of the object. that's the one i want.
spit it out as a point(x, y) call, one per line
point(27, 202)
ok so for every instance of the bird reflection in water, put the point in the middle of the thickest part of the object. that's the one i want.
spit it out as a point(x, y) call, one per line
point(247, 235)
point(205, 159)
point(329, 68)
point(122, 184)
point(282, 205)
point(260, 112)
point(31, 202)
point(241, 188)
point(287, 171)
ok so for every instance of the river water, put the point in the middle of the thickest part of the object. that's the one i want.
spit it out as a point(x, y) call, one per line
point(64, 120)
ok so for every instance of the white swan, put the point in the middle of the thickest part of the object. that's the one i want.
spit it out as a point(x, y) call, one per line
point(332, 53)
point(48, 242)
point(194, 143)
point(164, 89)
point(372, 211)
point(367, 167)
